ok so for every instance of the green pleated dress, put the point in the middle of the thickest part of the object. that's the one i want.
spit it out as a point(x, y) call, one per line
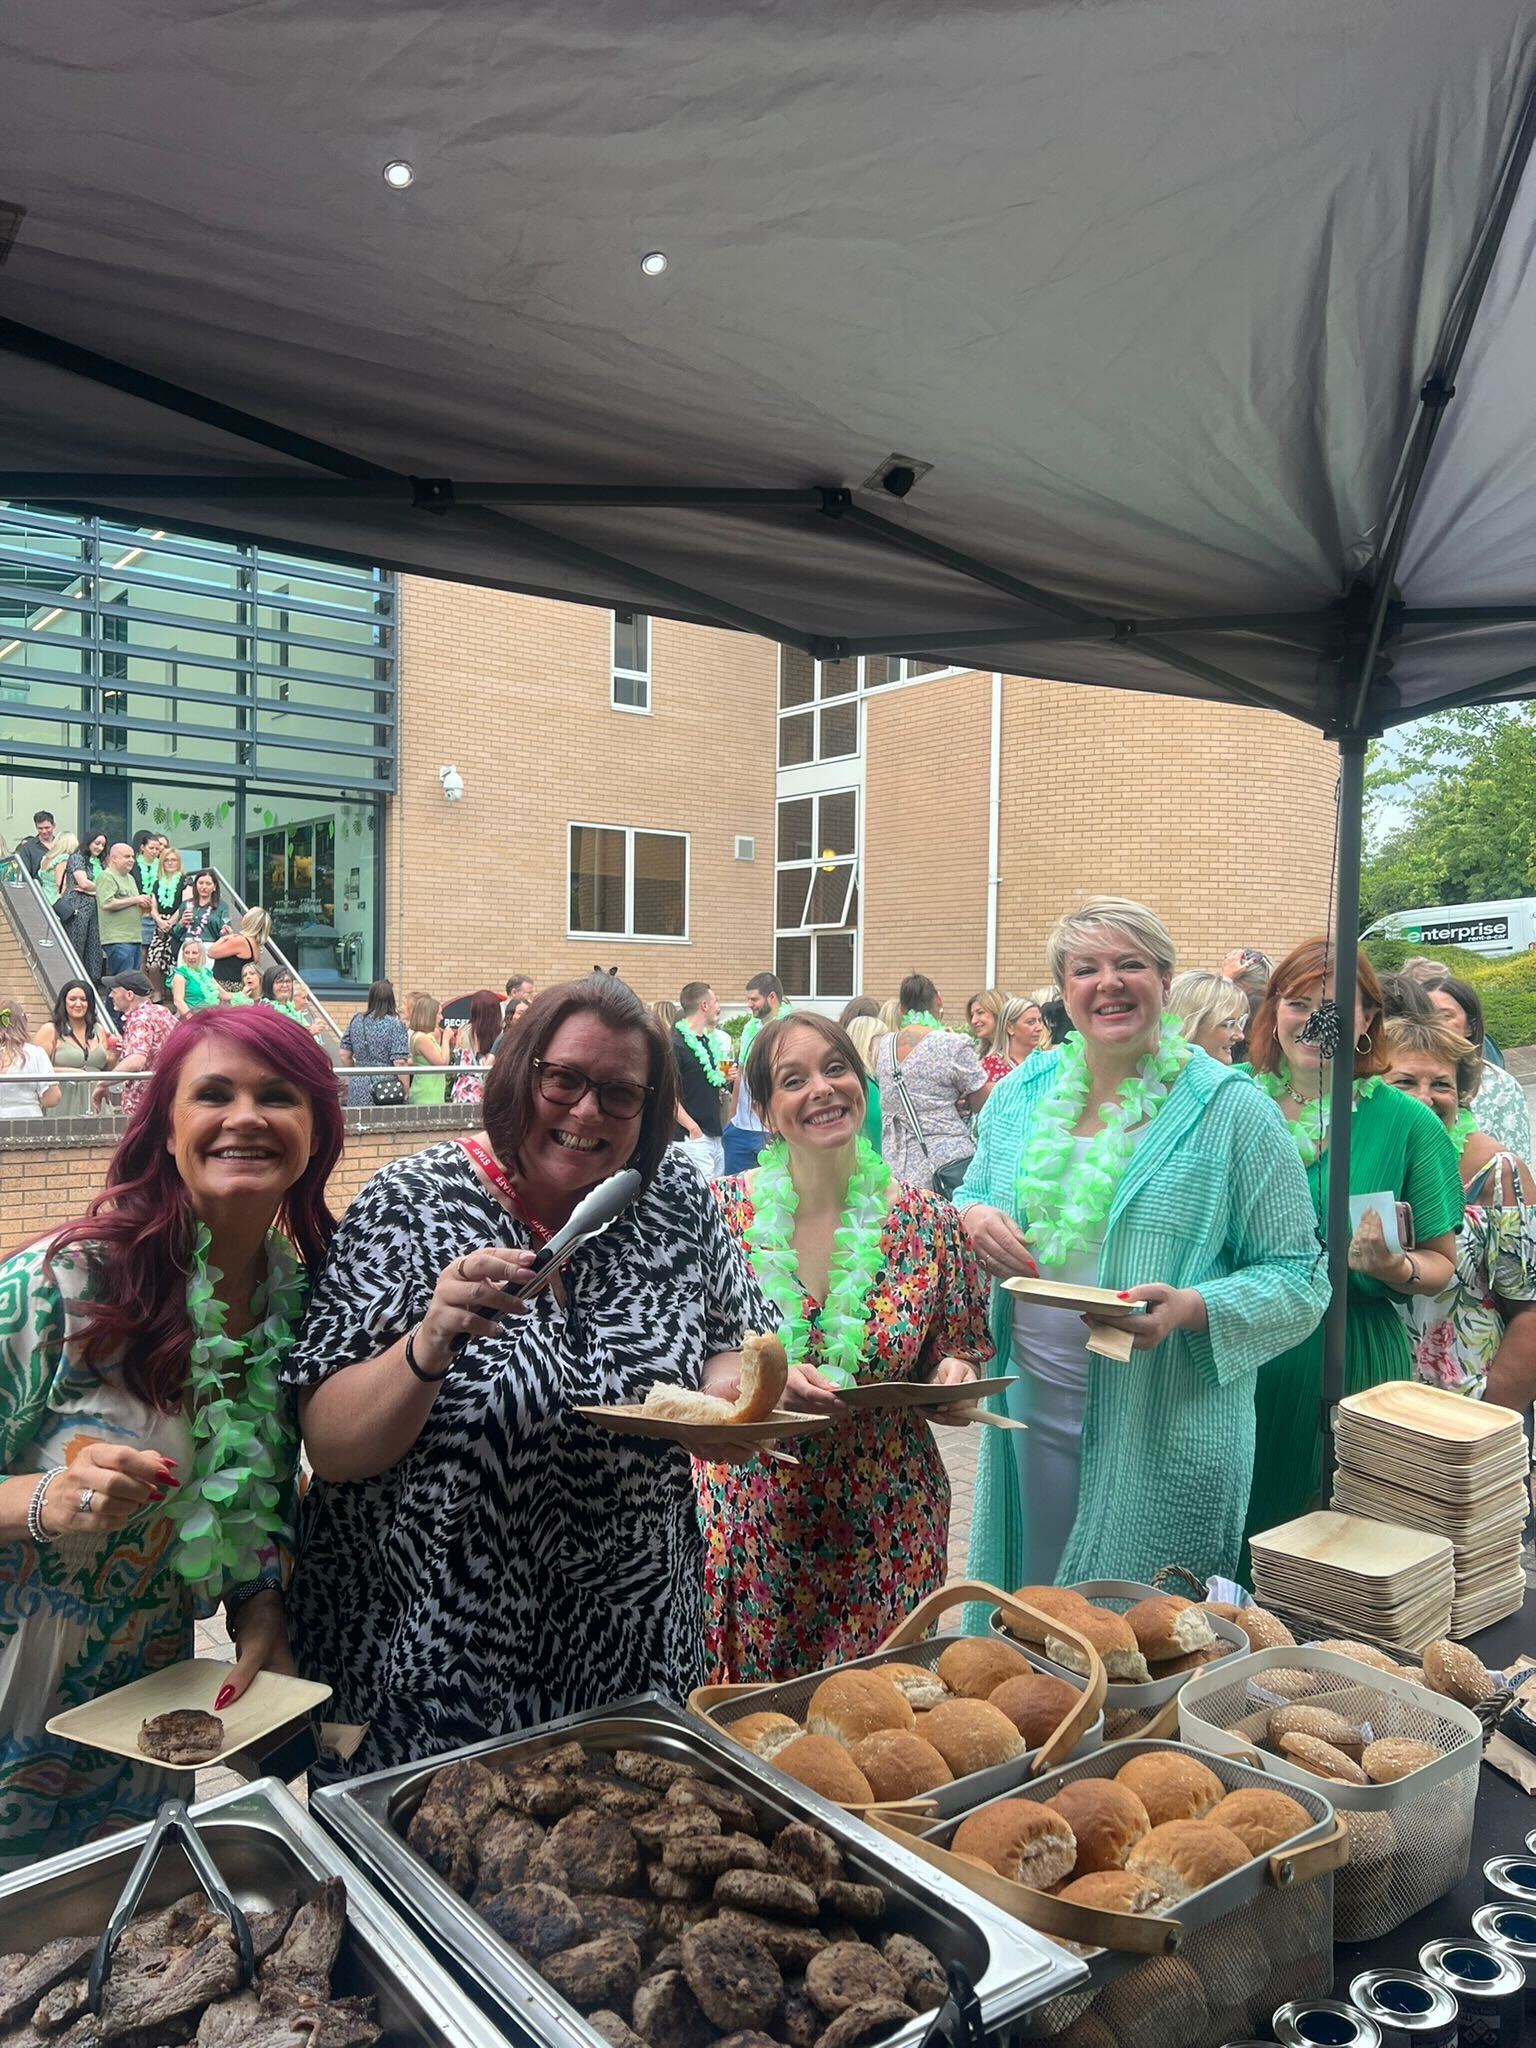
point(1396, 1143)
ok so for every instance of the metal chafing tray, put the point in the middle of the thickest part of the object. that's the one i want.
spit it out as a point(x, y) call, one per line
point(1013, 1969)
point(266, 1847)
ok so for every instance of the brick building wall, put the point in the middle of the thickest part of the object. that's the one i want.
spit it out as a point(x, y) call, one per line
point(516, 693)
point(926, 754)
point(1220, 818)
point(46, 1178)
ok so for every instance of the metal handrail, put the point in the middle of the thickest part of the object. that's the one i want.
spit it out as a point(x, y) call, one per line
point(41, 936)
point(274, 956)
point(113, 1077)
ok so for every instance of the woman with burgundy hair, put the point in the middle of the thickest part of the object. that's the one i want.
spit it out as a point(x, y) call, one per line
point(147, 1448)
point(1397, 1148)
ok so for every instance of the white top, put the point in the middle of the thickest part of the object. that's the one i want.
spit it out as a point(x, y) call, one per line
point(23, 1098)
point(1051, 1344)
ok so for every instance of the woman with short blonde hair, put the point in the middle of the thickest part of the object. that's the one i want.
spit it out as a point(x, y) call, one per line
point(1212, 1011)
point(1131, 1160)
point(983, 1014)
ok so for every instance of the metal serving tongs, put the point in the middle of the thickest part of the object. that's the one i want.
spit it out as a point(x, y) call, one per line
point(173, 1823)
point(589, 1219)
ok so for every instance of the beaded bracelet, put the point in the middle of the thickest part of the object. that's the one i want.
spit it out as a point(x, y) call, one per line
point(429, 1379)
point(35, 1530)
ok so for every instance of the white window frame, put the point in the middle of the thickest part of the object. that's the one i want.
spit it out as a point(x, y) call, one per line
point(906, 680)
point(814, 710)
point(617, 673)
point(813, 868)
point(629, 935)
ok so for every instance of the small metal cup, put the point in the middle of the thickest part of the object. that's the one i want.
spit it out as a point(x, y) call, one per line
point(1324, 2023)
point(1513, 1929)
point(1410, 2010)
point(1487, 1983)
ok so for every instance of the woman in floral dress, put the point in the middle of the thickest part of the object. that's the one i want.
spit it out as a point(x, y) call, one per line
point(1477, 1336)
point(146, 1453)
point(812, 1564)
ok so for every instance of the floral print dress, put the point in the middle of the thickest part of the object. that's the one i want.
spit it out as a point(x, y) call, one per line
point(813, 1564)
point(1456, 1333)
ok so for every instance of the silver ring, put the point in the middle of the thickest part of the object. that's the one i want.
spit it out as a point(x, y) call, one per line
point(86, 1498)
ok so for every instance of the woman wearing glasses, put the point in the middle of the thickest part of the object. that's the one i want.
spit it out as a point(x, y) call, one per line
point(474, 1556)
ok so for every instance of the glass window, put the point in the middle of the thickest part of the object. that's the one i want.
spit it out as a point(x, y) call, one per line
point(839, 678)
point(789, 898)
point(625, 883)
point(837, 821)
point(797, 739)
point(631, 679)
point(311, 860)
point(797, 678)
point(796, 834)
point(834, 964)
point(839, 730)
point(829, 894)
point(792, 964)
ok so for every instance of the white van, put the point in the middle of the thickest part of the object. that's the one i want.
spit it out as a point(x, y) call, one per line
point(1507, 926)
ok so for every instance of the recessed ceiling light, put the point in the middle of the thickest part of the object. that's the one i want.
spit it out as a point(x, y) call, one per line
point(654, 263)
point(399, 174)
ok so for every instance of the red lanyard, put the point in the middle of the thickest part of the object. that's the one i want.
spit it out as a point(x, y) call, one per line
point(502, 1182)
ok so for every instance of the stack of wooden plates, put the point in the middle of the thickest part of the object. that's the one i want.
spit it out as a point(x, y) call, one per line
point(1429, 1459)
point(1353, 1577)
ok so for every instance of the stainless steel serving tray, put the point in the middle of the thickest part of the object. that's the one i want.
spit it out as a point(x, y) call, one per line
point(266, 1848)
point(1013, 1969)
point(792, 1696)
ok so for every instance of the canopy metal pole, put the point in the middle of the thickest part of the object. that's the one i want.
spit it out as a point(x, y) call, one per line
point(1336, 1225)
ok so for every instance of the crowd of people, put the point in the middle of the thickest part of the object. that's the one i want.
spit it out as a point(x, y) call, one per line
point(466, 1553)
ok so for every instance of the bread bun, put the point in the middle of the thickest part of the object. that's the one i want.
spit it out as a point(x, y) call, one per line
point(1224, 1610)
point(1113, 1891)
point(1363, 1653)
point(1265, 1631)
point(1262, 1820)
point(1183, 1856)
point(918, 1686)
point(852, 1704)
point(1320, 1721)
point(1021, 1840)
point(1321, 1759)
point(1107, 1819)
point(971, 1735)
point(764, 1734)
point(975, 1666)
point(1053, 1602)
point(1112, 1636)
point(1196, 1660)
point(1036, 1704)
point(826, 1767)
point(1166, 1626)
point(1391, 1757)
point(900, 1766)
point(682, 1404)
point(1457, 1673)
point(764, 1370)
point(1171, 1786)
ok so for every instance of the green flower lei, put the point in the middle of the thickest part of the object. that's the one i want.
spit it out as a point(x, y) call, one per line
point(228, 1510)
point(1060, 1207)
point(855, 1265)
point(924, 1017)
point(1462, 1129)
point(701, 1053)
point(1309, 1133)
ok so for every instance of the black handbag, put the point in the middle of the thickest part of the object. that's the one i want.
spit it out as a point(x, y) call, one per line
point(946, 1179)
point(387, 1091)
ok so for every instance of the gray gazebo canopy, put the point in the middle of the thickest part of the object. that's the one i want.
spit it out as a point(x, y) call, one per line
point(1204, 331)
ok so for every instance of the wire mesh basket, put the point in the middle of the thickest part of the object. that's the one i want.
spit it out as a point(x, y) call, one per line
point(1149, 1710)
point(1213, 1969)
point(1410, 1841)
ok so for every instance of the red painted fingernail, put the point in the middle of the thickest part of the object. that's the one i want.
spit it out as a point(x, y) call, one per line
point(1123, 1295)
point(155, 1494)
point(166, 1461)
point(224, 1698)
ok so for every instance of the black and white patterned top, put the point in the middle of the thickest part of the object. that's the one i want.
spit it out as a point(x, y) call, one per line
point(519, 1563)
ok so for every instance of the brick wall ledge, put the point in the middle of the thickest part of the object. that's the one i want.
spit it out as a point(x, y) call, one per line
point(47, 1133)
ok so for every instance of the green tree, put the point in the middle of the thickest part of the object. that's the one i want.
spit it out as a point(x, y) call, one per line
point(1451, 811)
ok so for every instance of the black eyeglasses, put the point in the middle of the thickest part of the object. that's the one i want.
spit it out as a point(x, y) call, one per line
point(567, 1086)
